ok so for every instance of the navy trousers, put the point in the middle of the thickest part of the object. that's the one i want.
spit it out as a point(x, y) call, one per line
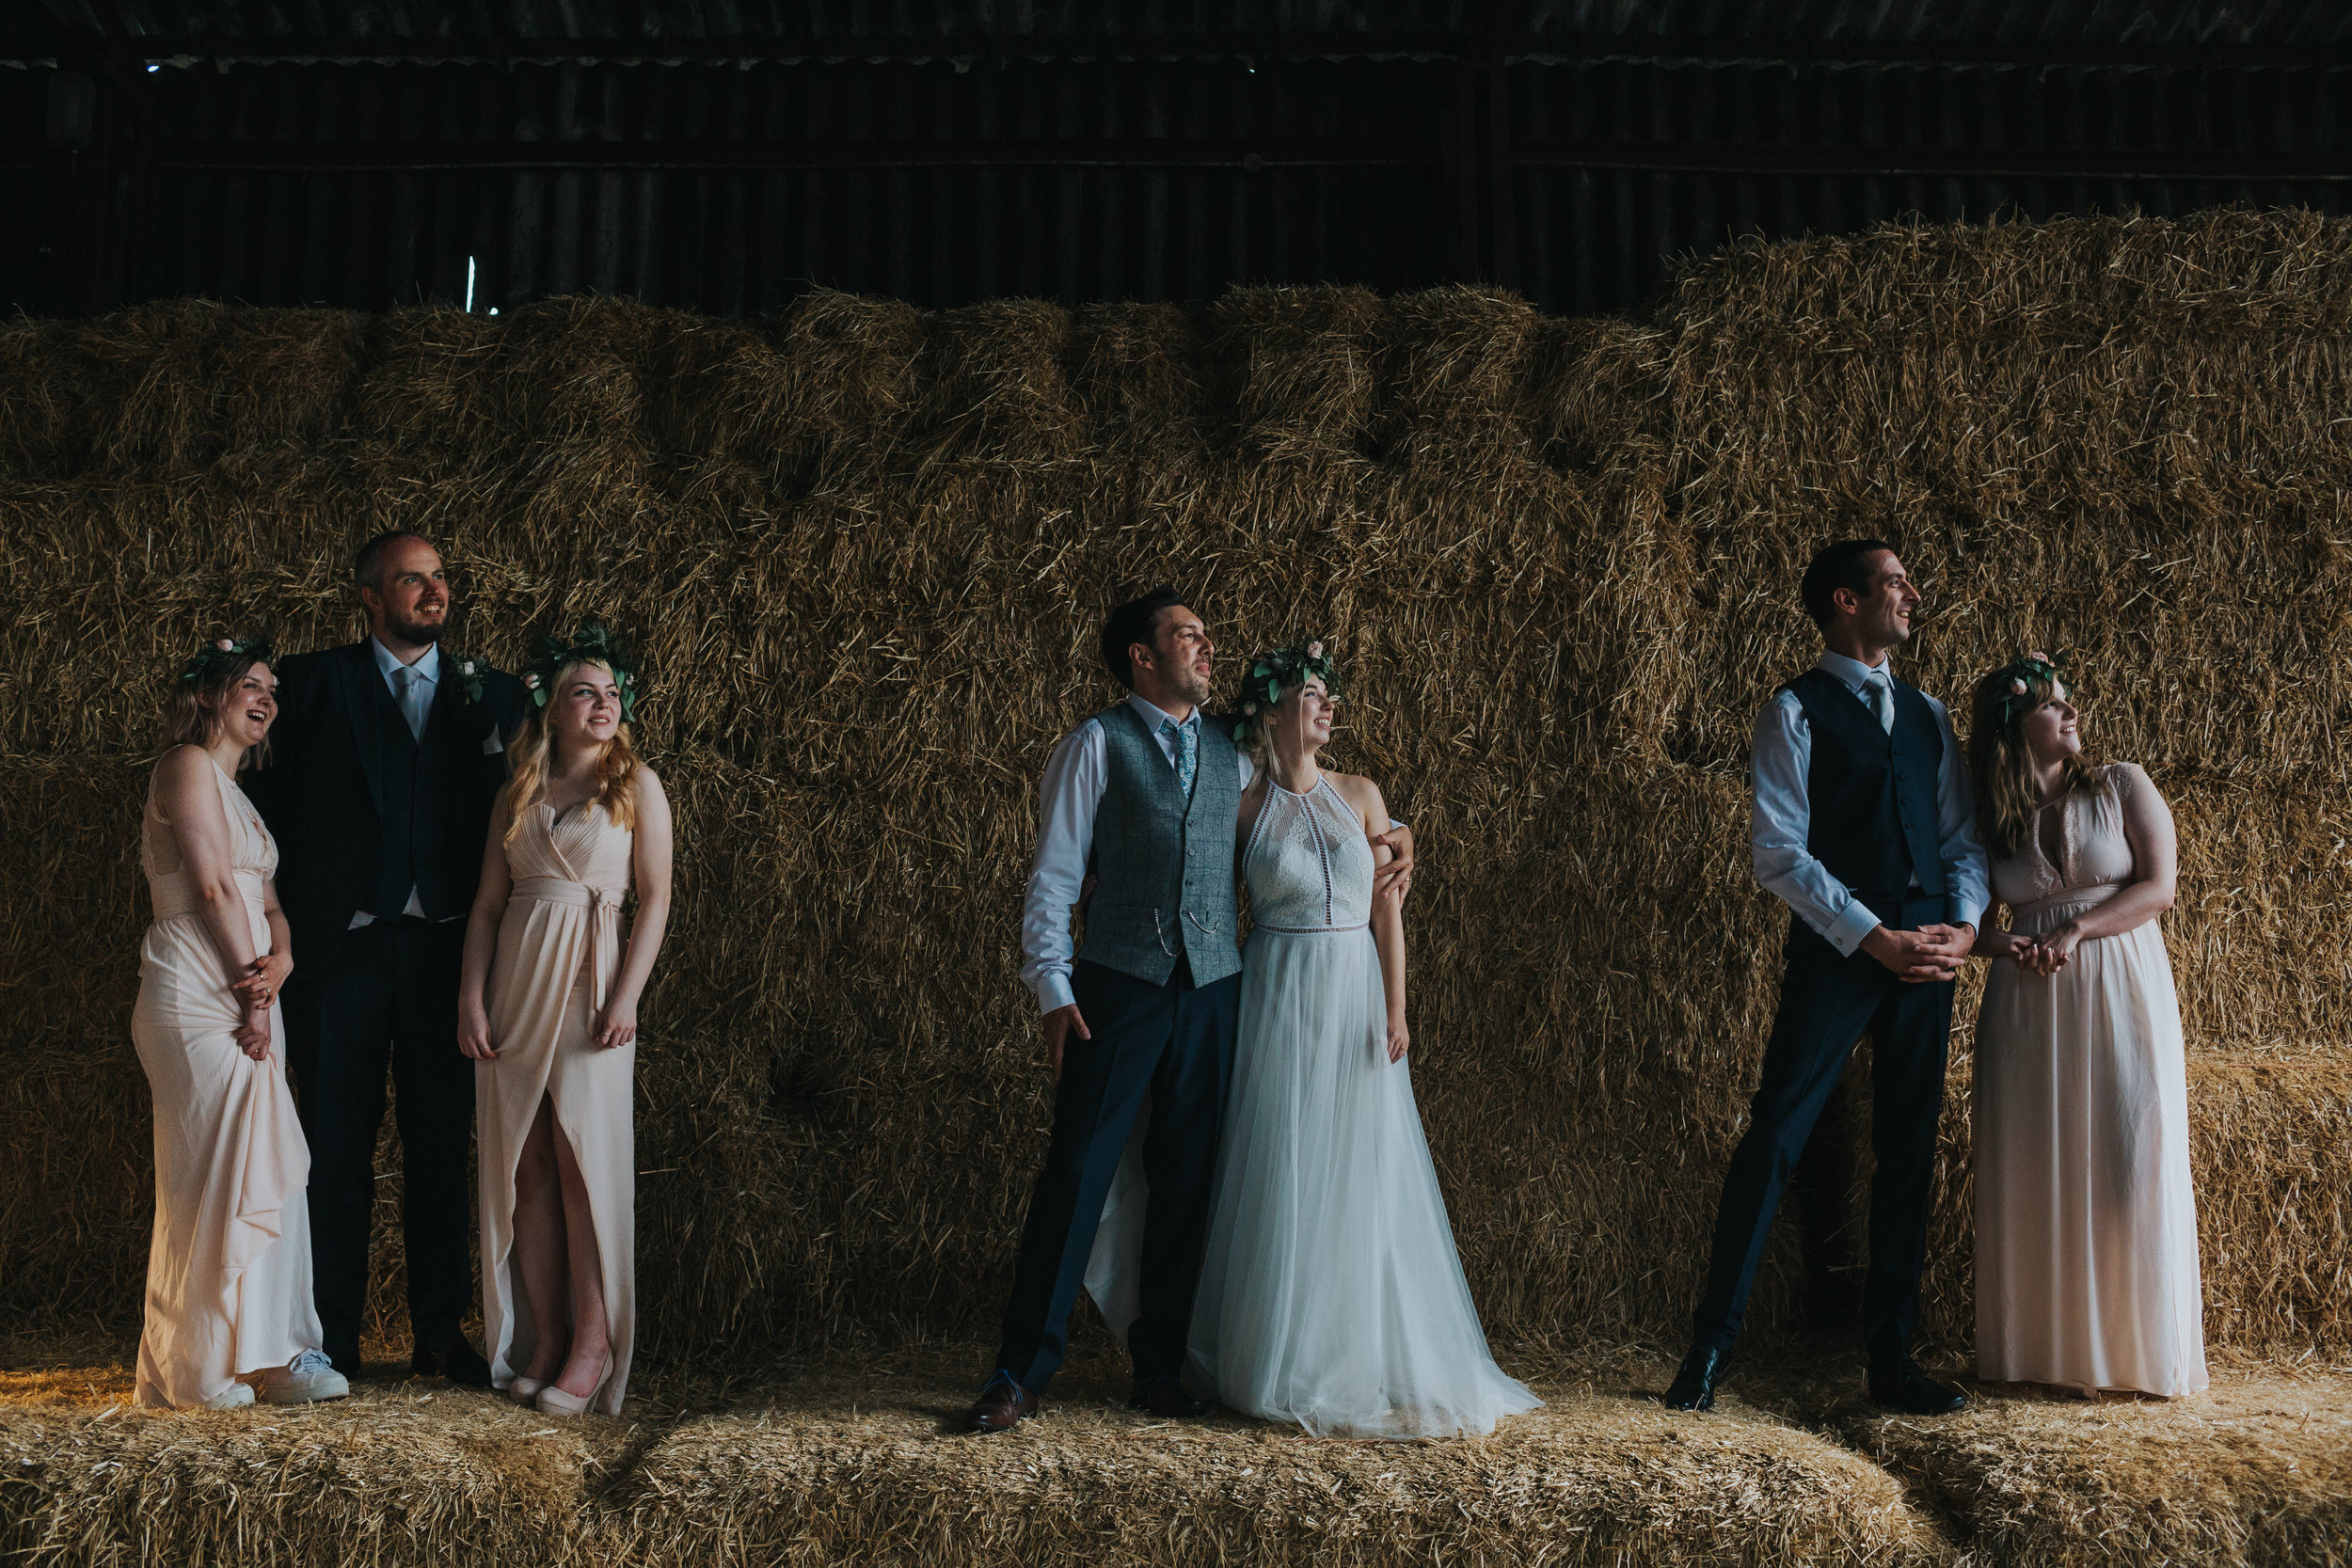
point(1827, 1003)
point(389, 998)
point(1176, 1041)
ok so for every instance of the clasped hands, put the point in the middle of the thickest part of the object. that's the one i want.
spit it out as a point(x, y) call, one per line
point(257, 989)
point(2044, 955)
point(1930, 954)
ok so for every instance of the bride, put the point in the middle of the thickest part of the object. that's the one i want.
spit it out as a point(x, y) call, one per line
point(1331, 1295)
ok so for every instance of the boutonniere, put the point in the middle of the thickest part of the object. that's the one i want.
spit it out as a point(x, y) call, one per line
point(470, 670)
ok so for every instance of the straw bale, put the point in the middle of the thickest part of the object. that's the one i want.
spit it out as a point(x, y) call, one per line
point(391, 1476)
point(865, 550)
point(2257, 1471)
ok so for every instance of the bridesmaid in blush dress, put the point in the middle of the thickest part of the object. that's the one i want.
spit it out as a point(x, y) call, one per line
point(548, 1012)
point(229, 1308)
point(2087, 1271)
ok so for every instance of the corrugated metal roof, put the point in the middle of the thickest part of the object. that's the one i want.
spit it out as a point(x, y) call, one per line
point(1953, 22)
point(1577, 174)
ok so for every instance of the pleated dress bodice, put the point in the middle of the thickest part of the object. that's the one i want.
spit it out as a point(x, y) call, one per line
point(2095, 859)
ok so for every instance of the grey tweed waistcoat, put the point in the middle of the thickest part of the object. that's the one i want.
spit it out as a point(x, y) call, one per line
point(1163, 864)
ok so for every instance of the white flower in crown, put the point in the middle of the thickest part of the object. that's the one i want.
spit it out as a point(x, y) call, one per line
point(1249, 709)
point(531, 682)
point(2016, 686)
point(226, 646)
point(1314, 650)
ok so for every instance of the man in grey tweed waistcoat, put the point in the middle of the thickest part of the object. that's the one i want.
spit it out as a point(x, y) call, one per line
point(1144, 799)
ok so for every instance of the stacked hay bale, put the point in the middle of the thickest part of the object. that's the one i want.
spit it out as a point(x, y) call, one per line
point(866, 550)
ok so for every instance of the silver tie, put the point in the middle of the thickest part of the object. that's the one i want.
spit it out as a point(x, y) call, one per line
point(404, 685)
point(1882, 698)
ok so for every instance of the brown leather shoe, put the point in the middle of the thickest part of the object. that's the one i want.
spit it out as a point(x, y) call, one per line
point(1002, 1405)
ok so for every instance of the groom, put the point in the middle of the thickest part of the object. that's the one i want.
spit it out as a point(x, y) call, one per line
point(1863, 826)
point(1145, 797)
point(388, 757)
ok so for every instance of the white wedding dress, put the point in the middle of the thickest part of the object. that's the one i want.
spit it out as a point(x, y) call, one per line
point(1331, 1295)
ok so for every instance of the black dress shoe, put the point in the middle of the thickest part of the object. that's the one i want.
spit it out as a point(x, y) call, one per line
point(1166, 1398)
point(1694, 1388)
point(1911, 1391)
point(449, 1355)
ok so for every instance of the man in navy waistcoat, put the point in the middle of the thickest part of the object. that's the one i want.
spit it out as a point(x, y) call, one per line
point(387, 758)
point(1863, 826)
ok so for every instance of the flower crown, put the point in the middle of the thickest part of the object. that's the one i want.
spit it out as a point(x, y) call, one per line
point(213, 662)
point(1275, 671)
point(2015, 697)
point(592, 644)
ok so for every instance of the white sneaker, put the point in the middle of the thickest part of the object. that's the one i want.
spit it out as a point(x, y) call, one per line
point(235, 1396)
point(308, 1377)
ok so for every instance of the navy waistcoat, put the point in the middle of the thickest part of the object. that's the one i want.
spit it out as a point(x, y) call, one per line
point(413, 851)
point(1871, 792)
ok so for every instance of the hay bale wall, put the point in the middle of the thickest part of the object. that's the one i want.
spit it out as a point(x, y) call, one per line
point(865, 550)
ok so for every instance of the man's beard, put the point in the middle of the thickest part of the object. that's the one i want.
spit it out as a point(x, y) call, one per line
point(1192, 685)
point(409, 630)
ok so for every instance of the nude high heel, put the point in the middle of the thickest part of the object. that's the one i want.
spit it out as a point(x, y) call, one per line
point(554, 1402)
point(523, 1390)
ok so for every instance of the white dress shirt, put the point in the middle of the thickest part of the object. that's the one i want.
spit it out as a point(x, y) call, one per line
point(1782, 821)
point(419, 704)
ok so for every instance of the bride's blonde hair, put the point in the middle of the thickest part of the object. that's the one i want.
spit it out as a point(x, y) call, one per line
point(616, 768)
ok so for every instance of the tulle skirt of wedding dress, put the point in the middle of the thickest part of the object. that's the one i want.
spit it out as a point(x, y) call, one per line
point(1331, 1295)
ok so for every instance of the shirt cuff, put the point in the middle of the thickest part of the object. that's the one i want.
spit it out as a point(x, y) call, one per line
point(1961, 912)
point(1053, 991)
point(1846, 932)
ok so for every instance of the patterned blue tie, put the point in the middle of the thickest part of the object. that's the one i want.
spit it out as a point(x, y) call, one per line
point(1187, 750)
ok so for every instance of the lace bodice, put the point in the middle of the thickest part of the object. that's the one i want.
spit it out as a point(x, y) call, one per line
point(1308, 865)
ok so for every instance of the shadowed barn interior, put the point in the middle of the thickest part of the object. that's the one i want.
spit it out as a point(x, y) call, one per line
point(852, 359)
point(864, 548)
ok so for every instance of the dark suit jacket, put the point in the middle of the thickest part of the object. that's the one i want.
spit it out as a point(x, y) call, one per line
point(318, 792)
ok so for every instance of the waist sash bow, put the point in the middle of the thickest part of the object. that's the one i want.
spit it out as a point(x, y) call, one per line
point(603, 904)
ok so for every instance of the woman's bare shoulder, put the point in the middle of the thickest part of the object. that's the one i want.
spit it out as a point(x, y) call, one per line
point(1356, 789)
point(181, 763)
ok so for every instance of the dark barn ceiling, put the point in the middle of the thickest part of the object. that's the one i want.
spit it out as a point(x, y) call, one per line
point(728, 157)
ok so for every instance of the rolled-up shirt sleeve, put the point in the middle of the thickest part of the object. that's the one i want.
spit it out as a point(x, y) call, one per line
point(1780, 826)
point(1967, 882)
point(1067, 801)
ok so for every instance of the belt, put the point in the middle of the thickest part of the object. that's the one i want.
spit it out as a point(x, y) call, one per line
point(2089, 893)
point(174, 892)
point(603, 904)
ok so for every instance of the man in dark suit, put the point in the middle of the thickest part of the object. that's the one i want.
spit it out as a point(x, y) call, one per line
point(388, 757)
point(1864, 825)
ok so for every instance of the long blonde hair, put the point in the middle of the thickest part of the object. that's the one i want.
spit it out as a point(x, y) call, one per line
point(534, 747)
point(2001, 765)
